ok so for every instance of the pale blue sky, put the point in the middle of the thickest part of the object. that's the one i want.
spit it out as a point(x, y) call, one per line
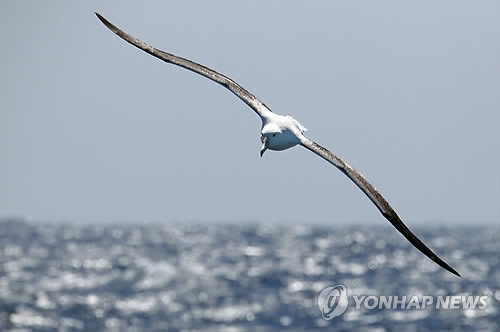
point(92, 129)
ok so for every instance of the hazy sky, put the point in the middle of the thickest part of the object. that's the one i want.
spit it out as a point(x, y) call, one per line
point(92, 129)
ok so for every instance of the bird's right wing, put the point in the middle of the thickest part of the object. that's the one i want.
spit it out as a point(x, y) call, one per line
point(259, 107)
point(377, 199)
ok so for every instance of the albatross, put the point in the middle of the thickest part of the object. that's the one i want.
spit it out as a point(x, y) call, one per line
point(279, 132)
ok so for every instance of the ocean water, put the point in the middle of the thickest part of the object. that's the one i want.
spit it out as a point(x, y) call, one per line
point(237, 277)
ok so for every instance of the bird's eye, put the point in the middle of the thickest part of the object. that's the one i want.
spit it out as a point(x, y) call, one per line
point(274, 135)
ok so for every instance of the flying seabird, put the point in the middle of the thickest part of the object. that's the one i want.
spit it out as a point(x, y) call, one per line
point(280, 132)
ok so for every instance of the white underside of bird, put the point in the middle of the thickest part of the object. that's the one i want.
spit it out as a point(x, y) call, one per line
point(280, 132)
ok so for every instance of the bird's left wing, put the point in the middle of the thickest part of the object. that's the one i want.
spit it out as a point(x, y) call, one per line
point(259, 107)
point(376, 198)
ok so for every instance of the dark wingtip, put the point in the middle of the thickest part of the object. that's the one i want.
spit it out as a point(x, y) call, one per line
point(394, 219)
point(455, 272)
point(440, 262)
point(106, 22)
point(445, 266)
point(99, 16)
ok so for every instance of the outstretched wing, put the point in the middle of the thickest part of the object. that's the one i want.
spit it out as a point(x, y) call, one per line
point(377, 199)
point(259, 107)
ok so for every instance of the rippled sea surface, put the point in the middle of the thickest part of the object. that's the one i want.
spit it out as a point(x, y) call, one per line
point(239, 277)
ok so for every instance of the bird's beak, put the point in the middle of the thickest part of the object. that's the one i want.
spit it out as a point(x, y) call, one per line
point(264, 146)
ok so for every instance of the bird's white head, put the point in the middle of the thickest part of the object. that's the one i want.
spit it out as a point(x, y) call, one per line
point(280, 133)
point(268, 135)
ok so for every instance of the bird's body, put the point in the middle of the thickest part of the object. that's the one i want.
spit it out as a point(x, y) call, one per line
point(279, 132)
